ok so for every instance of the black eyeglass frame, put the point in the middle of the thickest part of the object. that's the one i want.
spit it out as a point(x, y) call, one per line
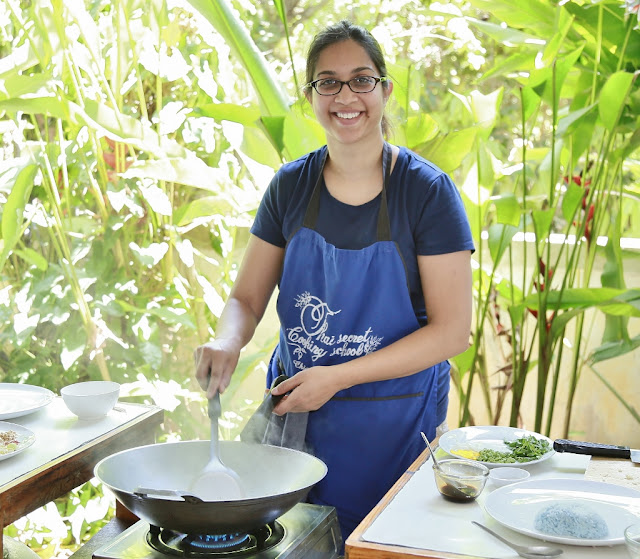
point(314, 84)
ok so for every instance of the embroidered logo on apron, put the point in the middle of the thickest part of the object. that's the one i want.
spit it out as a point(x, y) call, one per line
point(314, 340)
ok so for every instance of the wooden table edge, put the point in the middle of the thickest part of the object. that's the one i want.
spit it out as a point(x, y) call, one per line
point(358, 548)
point(143, 417)
point(152, 418)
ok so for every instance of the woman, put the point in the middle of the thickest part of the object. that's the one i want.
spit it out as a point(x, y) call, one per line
point(370, 247)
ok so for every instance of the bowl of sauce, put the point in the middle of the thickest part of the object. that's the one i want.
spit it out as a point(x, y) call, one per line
point(460, 480)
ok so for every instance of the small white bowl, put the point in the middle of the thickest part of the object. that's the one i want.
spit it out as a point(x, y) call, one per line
point(92, 399)
point(507, 475)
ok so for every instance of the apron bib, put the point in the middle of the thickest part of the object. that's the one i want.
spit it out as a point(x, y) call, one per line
point(336, 305)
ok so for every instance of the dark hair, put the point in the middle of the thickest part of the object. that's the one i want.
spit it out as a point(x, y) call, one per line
point(345, 31)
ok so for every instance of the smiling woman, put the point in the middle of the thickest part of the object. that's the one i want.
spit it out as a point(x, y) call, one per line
point(369, 246)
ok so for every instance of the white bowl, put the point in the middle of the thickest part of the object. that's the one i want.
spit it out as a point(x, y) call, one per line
point(92, 399)
point(507, 475)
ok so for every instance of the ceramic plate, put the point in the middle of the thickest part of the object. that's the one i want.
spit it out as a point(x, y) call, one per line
point(21, 399)
point(492, 437)
point(24, 436)
point(516, 507)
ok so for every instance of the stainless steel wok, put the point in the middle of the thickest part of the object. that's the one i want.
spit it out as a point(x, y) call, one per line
point(275, 479)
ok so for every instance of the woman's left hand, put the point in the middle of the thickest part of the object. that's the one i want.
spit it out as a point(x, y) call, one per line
point(307, 390)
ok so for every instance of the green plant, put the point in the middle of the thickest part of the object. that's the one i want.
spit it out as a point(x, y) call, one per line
point(569, 177)
point(124, 209)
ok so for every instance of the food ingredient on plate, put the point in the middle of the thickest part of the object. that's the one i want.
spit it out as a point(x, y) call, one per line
point(465, 453)
point(523, 449)
point(572, 520)
point(8, 442)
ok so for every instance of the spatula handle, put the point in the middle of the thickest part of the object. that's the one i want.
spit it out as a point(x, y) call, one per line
point(214, 408)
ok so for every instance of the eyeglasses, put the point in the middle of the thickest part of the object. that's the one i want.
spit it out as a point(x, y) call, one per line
point(330, 86)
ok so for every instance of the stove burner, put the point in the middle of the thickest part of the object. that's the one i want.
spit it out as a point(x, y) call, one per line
point(219, 546)
point(215, 542)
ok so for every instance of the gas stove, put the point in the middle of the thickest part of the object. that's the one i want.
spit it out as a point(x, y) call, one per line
point(306, 531)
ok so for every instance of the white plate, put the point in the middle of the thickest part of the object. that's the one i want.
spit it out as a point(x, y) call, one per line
point(25, 438)
point(20, 399)
point(516, 506)
point(492, 437)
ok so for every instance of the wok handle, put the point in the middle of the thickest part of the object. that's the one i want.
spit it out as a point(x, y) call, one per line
point(149, 492)
point(594, 449)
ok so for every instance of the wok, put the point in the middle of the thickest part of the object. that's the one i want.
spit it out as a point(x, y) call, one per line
point(274, 479)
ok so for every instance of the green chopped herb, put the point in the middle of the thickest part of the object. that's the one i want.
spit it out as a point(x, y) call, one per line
point(524, 449)
point(488, 455)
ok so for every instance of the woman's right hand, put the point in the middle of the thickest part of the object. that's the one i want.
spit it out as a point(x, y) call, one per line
point(215, 362)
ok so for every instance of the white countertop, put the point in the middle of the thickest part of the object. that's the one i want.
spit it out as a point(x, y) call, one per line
point(419, 517)
point(59, 432)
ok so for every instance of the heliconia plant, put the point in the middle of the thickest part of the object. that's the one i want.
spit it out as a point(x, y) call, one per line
point(569, 183)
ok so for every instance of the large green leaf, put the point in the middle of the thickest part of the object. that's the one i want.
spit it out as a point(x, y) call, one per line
point(557, 41)
point(264, 152)
point(190, 171)
point(522, 14)
point(512, 66)
point(13, 211)
point(402, 75)
point(203, 208)
point(302, 134)
point(247, 116)
point(268, 88)
point(615, 26)
point(448, 150)
point(571, 201)
point(33, 257)
point(420, 128)
point(14, 84)
point(612, 98)
point(530, 102)
point(542, 220)
point(508, 210)
point(613, 276)
point(563, 65)
point(618, 302)
point(47, 105)
point(569, 123)
point(274, 125)
point(507, 35)
point(500, 236)
point(126, 129)
point(611, 350)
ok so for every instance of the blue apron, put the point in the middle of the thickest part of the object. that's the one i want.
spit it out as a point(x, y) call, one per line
point(335, 305)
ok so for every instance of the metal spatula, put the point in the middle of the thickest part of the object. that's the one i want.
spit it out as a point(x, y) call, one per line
point(216, 482)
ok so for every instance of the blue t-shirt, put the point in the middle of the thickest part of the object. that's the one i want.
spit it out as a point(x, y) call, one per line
point(426, 213)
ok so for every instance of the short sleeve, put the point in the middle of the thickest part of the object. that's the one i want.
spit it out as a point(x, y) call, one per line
point(442, 226)
point(268, 222)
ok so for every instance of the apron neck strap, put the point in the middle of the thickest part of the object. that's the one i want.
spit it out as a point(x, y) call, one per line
point(384, 225)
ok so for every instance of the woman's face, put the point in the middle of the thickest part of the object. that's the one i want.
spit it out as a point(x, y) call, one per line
point(348, 117)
